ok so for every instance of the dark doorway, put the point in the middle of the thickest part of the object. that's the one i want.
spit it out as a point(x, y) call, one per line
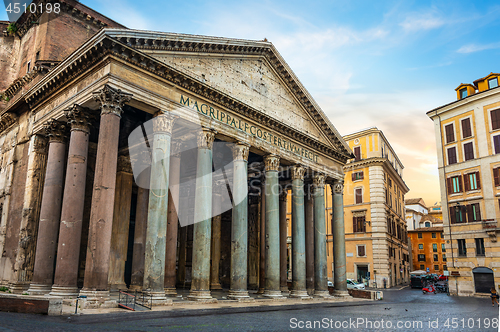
point(362, 273)
point(483, 279)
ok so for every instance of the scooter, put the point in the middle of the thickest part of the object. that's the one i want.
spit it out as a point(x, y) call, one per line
point(429, 289)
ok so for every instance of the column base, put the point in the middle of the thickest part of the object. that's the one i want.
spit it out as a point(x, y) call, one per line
point(97, 299)
point(273, 294)
point(117, 287)
point(341, 293)
point(65, 292)
point(301, 294)
point(261, 291)
point(134, 288)
point(239, 295)
point(284, 288)
point(215, 286)
point(158, 298)
point(39, 289)
point(322, 294)
point(201, 296)
point(171, 292)
point(19, 287)
point(310, 291)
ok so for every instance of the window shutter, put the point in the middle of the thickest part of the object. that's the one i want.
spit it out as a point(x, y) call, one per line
point(353, 176)
point(449, 185)
point(452, 215)
point(470, 216)
point(478, 180)
point(362, 175)
point(460, 186)
point(361, 251)
point(496, 176)
point(466, 182)
point(478, 212)
point(354, 224)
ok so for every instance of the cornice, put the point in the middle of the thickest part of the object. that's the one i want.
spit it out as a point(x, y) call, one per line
point(41, 68)
point(107, 46)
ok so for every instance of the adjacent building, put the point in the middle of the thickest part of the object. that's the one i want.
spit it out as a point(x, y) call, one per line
point(428, 249)
point(375, 226)
point(468, 145)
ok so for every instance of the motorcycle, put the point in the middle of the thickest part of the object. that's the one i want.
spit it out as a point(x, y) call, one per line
point(429, 289)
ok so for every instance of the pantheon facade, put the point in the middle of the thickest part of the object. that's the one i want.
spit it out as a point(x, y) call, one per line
point(77, 218)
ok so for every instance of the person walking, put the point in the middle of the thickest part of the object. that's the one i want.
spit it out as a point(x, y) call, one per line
point(494, 297)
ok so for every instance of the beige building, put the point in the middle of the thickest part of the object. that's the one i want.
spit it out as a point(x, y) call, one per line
point(375, 227)
point(468, 146)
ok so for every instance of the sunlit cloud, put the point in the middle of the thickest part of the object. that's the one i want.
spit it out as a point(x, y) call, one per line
point(472, 48)
point(426, 21)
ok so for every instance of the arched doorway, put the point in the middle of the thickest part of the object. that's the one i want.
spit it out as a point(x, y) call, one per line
point(483, 279)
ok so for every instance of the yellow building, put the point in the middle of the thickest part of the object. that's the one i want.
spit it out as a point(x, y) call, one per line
point(468, 144)
point(375, 227)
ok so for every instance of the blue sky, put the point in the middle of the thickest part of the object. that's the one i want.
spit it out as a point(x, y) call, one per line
point(367, 63)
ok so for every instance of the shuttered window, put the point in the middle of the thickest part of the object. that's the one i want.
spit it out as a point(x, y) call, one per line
point(472, 181)
point(357, 176)
point(358, 224)
point(473, 212)
point(454, 184)
point(450, 134)
point(357, 153)
point(452, 155)
point(479, 247)
point(458, 214)
point(466, 128)
point(462, 250)
point(468, 151)
point(496, 176)
point(421, 257)
point(496, 144)
point(359, 195)
point(361, 251)
point(495, 119)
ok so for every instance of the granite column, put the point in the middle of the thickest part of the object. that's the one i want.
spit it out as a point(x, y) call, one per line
point(283, 242)
point(339, 256)
point(309, 230)
point(320, 263)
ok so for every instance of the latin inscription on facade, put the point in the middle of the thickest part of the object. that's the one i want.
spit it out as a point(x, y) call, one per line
point(248, 128)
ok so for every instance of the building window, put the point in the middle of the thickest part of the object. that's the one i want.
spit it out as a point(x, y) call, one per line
point(466, 128)
point(421, 246)
point(441, 234)
point(436, 257)
point(358, 224)
point(358, 193)
point(452, 156)
point(495, 119)
point(450, 133)
point(434, 247)
point(473, 212)
point(493, 83)
point(421, 257)
point(357, 176)
point(463, 93)
point(419, 235)
point(422, 267)
point(454, 184)
point(361, 251)
point(472, 181)
point(462, 250)
point(479, 247)
point(444, 257)
point(357, 153)
point(496, 176)
point(443, 247)
point(436, 267)
point(468, 151)
point(427, 224)
point(458, 214)
point(433, 235)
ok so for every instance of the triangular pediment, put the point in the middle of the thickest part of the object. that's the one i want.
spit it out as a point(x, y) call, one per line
point(251, 81)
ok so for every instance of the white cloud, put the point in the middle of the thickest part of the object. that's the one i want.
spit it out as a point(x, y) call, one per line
point(471, 48)
point(419, 22)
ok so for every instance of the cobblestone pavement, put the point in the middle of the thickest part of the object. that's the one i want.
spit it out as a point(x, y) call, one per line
point(401, 310)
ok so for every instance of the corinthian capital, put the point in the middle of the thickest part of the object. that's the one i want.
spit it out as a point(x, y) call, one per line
point(338, 187)
point(272, 162)
point(319, 181)
point(57, 131)
point(298, 172)
point(206, 138)
point(240, 151)
point(163, 122)
point(111, 100)
point(80, 118)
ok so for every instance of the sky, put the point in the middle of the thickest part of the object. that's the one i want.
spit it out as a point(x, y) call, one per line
point(366, 63)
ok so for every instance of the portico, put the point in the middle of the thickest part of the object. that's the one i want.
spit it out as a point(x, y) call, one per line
point(209, 151)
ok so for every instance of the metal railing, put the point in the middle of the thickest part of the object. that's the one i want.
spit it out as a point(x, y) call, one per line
point(126, 300)
point(143, 299)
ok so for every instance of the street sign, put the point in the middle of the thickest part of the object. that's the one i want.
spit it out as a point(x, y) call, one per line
point(427, 269)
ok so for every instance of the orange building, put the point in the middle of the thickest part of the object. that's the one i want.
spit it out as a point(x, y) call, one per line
point(428, 249)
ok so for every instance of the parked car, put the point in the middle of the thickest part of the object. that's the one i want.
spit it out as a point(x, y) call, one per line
point(442, 277)
point(351, 284)
point(417, 281)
